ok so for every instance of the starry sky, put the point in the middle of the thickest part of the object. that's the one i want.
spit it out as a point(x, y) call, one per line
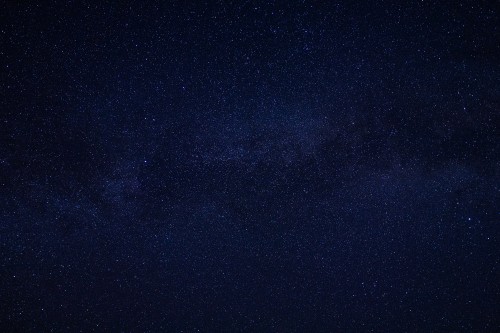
point(249, 166)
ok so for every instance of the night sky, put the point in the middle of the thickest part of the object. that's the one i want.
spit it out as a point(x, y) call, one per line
point(244, 166)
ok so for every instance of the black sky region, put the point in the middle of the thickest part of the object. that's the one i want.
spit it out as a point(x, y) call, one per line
point(249, 166)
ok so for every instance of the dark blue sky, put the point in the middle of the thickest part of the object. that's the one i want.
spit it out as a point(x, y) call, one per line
point(244, 166)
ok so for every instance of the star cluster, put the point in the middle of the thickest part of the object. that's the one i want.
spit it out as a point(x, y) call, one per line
point(259, 166)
